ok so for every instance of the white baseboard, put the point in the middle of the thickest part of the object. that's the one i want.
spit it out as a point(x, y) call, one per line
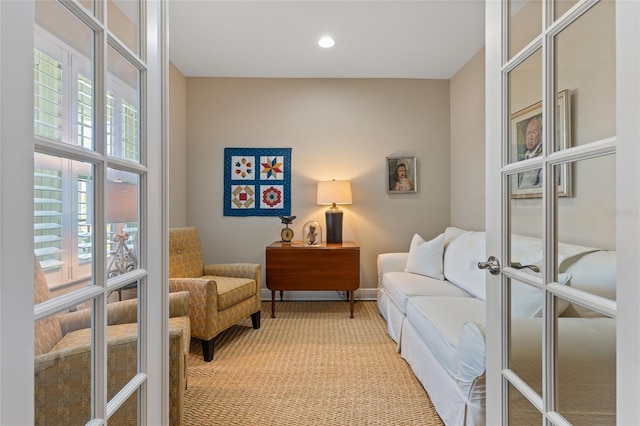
point(361, 294)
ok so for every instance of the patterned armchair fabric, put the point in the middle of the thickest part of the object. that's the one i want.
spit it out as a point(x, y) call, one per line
point(221, 295)
point(63, 359)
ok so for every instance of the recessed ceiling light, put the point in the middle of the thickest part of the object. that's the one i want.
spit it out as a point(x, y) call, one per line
point(326, 42)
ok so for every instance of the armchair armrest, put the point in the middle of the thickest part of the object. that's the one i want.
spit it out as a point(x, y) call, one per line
point(123, 312)
point(235, 270)
point(203, 302)
point(179, 304)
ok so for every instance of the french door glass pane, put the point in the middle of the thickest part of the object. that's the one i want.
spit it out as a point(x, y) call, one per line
point(124, 22)
point(63, 221)
point(127, 414)
point(63, 365)
point(525, 23)
point(122, 217)
point(562, 6)
point(525, 109)
point(586, 368)
point(588, 219)
point(521, 412)
point(525, 216)
point(87, 4)
point(123, 108)
point(63, 76)
point(122, 341)
point(591, 83)
point(525, 333)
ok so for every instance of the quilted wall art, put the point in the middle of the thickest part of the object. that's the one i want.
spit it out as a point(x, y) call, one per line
point(257, 181)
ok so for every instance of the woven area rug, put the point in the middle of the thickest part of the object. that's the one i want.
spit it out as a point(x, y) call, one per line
point(311, 365)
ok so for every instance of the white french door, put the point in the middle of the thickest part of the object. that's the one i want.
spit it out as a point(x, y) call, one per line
point(564, 75)
point(83, 106)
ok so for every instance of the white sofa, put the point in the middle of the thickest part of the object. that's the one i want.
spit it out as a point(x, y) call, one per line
point(438, 320)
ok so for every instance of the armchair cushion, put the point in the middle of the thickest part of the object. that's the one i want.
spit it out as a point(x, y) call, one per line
point(233, 290)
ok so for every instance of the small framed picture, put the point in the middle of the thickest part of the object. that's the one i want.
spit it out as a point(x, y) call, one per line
point(312, 233)
point(401, 175)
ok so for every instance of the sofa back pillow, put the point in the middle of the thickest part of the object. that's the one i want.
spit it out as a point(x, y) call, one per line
point(461, 263)
point(594, 273)
point(451, 233)
point(425, 257)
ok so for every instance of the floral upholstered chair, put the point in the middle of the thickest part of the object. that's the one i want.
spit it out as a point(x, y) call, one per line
point(63, 361)
point(221, 295)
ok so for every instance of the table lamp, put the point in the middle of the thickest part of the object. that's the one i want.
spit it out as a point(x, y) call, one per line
point(122, 207)
point(334, 192)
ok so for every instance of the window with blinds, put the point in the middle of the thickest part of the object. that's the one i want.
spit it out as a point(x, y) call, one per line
point(47, 120)
point(63, 188)
point(48, 217)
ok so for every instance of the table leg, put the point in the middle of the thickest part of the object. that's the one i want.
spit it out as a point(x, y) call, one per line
point(273, 303)
point(351, 302)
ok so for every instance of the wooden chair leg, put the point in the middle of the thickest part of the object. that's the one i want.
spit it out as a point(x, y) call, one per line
point(255, 320)
point(207, 350)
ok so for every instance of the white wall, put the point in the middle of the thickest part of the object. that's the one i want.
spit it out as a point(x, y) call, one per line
point(338, 128)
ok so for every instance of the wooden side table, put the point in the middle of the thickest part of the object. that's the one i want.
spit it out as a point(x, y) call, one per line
point(297, 266)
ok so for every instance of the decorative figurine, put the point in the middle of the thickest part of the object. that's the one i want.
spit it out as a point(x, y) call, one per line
point(312, 233)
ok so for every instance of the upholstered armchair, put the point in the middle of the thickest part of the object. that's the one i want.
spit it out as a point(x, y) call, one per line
point(221, 294)
point(63, 359)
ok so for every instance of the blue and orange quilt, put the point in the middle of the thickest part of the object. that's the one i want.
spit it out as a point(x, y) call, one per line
point(257, 181)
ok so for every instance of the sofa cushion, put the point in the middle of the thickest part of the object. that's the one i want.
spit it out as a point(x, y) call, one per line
point(425, 257)
point(461, 263)
point(439, 321)
point(399, 286)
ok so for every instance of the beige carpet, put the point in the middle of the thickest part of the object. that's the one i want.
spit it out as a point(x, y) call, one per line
point(311, 365)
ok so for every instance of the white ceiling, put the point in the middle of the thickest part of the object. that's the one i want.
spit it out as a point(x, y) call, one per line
point(374, 39)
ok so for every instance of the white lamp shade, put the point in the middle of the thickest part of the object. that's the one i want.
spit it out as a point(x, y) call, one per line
point(122, 202)
point(334, 191)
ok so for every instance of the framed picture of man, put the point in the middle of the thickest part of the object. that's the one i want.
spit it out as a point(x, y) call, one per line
point(401, 175)
point(526, 143)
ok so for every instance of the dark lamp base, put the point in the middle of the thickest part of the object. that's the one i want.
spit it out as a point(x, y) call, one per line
point(333, 216)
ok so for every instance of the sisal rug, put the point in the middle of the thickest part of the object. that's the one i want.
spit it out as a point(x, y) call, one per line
point(311, 365)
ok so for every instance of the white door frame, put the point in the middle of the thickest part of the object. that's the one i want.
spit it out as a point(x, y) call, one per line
point(628, 211)
point(16, 249)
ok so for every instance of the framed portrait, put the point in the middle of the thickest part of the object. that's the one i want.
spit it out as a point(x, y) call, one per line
point(402, 175)
point(526, 142)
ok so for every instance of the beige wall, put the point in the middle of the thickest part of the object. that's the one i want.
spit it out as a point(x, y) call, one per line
point(467, 145)
point(337, 128)
point(177, 148)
